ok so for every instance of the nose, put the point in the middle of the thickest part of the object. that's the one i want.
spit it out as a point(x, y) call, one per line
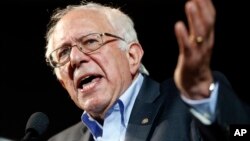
point(77, 57)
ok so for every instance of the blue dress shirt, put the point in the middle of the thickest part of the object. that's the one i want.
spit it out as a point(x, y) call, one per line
point(117, 117)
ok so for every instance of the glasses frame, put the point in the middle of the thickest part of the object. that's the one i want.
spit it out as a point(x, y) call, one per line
point(54, 64)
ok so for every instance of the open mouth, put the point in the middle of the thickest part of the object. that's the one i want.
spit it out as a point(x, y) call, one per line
point(88, 82)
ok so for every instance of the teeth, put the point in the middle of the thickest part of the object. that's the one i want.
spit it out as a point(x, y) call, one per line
point(85, 78)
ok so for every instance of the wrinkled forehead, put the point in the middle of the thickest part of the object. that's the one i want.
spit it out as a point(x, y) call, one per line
point(84, 19)
point(80, 22)
point(96, 15)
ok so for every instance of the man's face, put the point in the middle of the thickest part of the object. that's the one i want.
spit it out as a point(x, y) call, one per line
point(94, 81)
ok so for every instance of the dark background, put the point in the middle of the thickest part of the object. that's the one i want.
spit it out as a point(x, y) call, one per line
point(28, 84)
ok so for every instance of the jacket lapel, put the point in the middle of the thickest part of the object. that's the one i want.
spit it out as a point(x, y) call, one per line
point(144, 112)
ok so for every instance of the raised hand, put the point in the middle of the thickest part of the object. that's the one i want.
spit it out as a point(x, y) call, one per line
point(193, 74)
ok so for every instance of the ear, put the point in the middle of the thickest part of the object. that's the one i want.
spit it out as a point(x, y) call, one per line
point(134, 54)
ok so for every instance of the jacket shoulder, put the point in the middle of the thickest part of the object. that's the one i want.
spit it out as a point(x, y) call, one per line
point(75, 132)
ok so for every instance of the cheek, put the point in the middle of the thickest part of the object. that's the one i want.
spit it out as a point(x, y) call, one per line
point(66, 75)
point(68, 84)
point(115, 64)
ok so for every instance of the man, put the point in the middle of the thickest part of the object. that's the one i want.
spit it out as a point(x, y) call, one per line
point(96, 56)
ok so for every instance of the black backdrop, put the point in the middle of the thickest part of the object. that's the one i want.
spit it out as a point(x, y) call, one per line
point(28, 85)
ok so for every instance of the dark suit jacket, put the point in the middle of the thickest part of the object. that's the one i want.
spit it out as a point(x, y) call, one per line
point(160, 115)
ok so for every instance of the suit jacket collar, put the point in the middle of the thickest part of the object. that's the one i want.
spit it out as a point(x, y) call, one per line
point(144, 111)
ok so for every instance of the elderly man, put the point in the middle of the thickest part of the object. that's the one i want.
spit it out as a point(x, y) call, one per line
point(96, 56)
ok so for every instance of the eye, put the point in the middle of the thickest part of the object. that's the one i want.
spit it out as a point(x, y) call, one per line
point(63, 53)
point(90, 42)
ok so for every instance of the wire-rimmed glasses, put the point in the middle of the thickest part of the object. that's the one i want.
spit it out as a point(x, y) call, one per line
point(88, 44)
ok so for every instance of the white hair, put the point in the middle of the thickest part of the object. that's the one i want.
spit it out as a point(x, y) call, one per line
point(120, 22)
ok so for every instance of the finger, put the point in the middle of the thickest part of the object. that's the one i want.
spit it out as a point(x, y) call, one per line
point(207, 13)
point(182, 37)
point(209, 6)
point(194, 19)
point(189, 17)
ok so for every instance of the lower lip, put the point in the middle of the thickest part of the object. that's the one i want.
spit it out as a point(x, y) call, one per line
point(90, 86)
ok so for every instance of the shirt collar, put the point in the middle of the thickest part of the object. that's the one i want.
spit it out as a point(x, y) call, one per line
point(94, 127)
point(124, 104)
point(129, 96)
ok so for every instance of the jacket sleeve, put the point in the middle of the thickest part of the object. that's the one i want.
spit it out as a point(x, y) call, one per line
point(229, 110)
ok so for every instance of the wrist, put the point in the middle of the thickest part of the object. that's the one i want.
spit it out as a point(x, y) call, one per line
point(211, 87)
point(200, 91)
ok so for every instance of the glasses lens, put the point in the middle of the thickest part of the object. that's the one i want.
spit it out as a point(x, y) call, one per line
point(60, 56)
point(90, 42)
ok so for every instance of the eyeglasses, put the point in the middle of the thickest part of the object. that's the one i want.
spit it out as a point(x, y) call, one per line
point(88, 44)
